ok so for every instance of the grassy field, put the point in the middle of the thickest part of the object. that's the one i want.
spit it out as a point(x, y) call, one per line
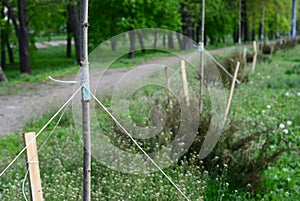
point(268, 103)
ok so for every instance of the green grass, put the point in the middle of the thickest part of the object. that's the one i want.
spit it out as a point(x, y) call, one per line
point(270, 98)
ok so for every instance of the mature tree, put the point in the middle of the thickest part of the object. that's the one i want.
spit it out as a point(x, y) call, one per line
point(73, 25)
point(21, 30)
point(23, 38)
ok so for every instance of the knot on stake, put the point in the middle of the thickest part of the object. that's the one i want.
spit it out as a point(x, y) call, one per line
point(86, 24)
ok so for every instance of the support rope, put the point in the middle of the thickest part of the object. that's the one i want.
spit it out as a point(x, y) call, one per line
point(134, 141)
point(42, 129)
point(220, 65)
point(40, 148)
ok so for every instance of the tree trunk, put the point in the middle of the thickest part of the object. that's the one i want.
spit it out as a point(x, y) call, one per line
point(170, 41)
point(10, 18)
point(69, 40)
point(155, 41)
point(180, 41)
point(293, 32)
point(3, 41)
point(23, 38)
point(262, 24)
point(132, 43)
point(10, 52)
point(113, 44)
point(2, 76)
point(141, 42)
point(75, 26)
point(3, 54)
point(240, 23)
point(254, 26)
point(245, 21)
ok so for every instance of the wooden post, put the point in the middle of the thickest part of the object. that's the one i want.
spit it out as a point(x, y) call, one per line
point(168, 87)
point(185, 83)
point(85, 94)
point(33, 167)
point(254, 56)
point(231, 90)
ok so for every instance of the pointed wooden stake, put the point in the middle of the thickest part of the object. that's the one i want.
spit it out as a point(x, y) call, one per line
point(231, 90)
point(185, 83)
point(254, 56)
point(33, 167)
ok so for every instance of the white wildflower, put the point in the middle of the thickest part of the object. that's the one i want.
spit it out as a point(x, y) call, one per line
point(286, 131)
point(298, 94)
point(289, 123)
point(281, 126)
point(263, 111)
point(287, 94)
point(269, 106)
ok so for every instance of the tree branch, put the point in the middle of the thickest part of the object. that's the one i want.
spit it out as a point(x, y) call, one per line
point(12, 17)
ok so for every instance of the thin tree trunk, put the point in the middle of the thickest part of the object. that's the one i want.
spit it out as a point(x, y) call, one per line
point(69, 40)
point(254, 26)
point(180, 41)
point(3, 41)
point(113, 44)
point(240, 22)
point(141, 42)
point(23, 38)
point(294, 11)
point(132, 43)
point(85, 94)
point(155, 41)
point(245, 21)
point(262, 24)
point(201, 92)
point(2, 76)
point(170, 41)
point(74, 23)
point(10, 52)
point(10, 18)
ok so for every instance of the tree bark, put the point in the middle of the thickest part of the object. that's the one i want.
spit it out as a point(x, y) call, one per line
point(254, 26)
point(10, 52)
point(75, 26)
point(3, 41)
point(2, 76)
point(69, 40)
point(294, 11)
point(155, 41)
point(23, 38)
point(141, 42)
point(131, 34)
point(262, 24)
point(245, 21)
point(170, 41)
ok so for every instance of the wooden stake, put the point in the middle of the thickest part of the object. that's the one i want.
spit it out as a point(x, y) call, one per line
point(33, 167)
point(168, 87)
point(254, 56)
point(185, 83)
point(231, 90)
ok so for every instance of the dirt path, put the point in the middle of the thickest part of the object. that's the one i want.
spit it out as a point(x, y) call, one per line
point(37, 99)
